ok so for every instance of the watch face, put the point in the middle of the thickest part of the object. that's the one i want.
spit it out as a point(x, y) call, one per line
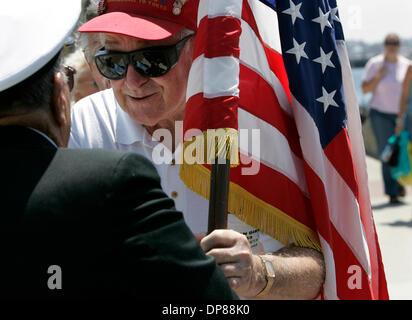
point(270, 269)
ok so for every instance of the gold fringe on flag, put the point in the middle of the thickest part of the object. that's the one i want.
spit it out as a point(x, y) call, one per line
point(211, 145)
point(252, 210)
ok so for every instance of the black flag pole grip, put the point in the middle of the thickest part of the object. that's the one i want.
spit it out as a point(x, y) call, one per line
point(219, 194)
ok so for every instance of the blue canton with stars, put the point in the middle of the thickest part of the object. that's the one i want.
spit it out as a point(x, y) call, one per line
point(309, 30)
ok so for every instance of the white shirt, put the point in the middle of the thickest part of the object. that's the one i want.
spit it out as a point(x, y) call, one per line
point(387, 94)
point(99, 122)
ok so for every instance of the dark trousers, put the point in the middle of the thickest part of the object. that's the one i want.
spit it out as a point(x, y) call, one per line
point(383, 126)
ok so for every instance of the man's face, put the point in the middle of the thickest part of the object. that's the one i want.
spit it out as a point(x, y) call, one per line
point(64, 107)
point(150, 101)
point(392, 44)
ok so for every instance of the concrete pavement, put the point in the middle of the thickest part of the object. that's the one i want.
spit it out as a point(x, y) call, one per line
point(394, 227)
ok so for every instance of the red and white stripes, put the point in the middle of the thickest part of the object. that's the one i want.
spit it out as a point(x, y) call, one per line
point(238, 80)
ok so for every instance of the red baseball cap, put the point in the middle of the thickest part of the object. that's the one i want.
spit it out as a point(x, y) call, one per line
point(144, 19)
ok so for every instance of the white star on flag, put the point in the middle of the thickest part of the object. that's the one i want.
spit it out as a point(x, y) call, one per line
point(294, 11)
point(334, 13)
point(327, 99)
point(323, 20)
point(324, 60)
point(298, 50)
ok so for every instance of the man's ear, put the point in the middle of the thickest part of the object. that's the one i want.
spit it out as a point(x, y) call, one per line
point(61, 101)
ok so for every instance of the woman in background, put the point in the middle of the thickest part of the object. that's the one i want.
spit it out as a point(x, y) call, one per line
point(384, 76)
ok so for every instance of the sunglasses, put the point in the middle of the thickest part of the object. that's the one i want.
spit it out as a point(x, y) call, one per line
point(149, 62)
point(392, 43)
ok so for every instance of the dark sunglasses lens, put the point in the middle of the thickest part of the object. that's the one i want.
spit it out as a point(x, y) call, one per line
point(112, 66)
point(392, 43)
point(151, 63)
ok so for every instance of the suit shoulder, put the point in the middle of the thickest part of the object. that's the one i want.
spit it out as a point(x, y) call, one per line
point(79, 180)
point(106, 162)
point(97, 169)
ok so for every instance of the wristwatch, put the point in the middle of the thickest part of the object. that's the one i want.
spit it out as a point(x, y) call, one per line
point(269, 275)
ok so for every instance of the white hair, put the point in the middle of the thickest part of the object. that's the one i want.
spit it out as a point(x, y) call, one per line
point(89, 49)
point(89, 12)
point(76, 60)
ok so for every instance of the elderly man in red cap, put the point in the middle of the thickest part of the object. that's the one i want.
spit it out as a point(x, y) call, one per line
point(147, 55)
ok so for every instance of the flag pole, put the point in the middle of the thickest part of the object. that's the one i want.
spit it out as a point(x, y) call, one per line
point(219, 194)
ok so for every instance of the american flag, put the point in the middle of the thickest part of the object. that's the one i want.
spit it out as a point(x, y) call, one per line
point(282, 67)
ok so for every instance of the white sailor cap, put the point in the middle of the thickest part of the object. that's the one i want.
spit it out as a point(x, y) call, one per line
point(31, 34)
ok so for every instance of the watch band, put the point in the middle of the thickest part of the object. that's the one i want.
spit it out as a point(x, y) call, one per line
point(270, 279)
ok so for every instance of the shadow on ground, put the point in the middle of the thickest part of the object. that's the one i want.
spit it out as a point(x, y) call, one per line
point(400, 224)
point(388, 205)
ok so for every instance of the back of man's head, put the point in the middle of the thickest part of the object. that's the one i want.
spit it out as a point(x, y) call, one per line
point(32, 35)
point(32, 93)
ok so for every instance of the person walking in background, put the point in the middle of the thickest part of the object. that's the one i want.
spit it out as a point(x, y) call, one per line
point(383, 77)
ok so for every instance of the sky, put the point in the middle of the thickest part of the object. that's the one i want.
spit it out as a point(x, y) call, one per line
point(371, 20)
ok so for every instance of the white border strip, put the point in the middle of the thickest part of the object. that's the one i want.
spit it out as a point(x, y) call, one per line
point(343, 207)
point(358, 149)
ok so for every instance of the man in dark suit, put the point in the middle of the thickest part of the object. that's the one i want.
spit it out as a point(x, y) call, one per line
point(80, 223)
